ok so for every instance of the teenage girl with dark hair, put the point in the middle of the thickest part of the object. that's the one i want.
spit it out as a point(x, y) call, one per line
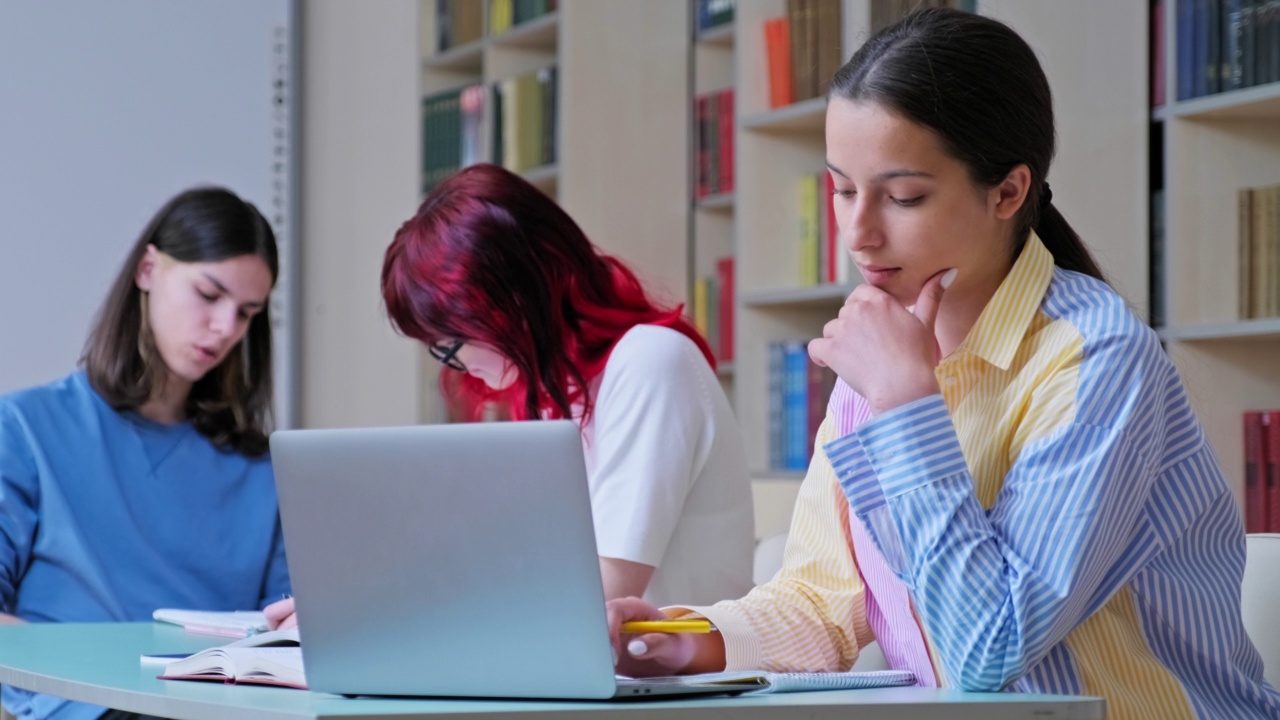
point(142, 481)
point(1010, 490)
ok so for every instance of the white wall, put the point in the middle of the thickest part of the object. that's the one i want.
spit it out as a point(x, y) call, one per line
point(360, 176)
point(1099, 82)
point(106, 111)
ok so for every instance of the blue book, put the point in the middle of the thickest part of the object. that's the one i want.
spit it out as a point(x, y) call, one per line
point(795, 404)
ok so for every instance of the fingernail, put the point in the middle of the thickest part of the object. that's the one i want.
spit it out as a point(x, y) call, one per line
point(637, 647)
point(948, 277)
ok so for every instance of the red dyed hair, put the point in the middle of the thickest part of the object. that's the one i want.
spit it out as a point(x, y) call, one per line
point(490, 259)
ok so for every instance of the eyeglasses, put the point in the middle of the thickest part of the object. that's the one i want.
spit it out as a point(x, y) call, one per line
point(446, 353)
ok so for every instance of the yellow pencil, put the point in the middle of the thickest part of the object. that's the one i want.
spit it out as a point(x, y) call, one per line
point(637, 627)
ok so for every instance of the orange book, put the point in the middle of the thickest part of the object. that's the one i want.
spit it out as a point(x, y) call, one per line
point(777, 43)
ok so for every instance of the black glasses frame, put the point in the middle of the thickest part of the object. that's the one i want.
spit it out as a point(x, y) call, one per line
point(447, 353)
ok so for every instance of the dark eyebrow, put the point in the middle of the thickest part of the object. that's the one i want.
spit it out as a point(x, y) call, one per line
point(223, 289)
point(887, 175)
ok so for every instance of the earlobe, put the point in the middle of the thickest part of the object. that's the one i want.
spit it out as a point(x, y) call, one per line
point(146, 267)
point(1011, 193)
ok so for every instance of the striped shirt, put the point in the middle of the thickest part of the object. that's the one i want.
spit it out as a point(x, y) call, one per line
point(1053, 521)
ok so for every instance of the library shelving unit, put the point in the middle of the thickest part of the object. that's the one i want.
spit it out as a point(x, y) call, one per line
point(1214, 146)
point(712, 215)
point(1095, 60)
point(620, 125)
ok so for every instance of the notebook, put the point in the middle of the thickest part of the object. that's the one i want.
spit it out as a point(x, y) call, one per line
point(450, 561)
point(234, 623)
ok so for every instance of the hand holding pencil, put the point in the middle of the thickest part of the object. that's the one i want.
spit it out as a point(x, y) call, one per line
point(648, 643)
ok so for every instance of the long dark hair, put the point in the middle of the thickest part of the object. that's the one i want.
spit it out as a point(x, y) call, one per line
point(231, 404)
point(489, 258)
point(978, 85)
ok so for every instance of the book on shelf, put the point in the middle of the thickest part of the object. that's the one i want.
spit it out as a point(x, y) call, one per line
point(822, 259)
point(803, 50)
point(884, 12)
point(811, 250)
point(1258, 237)
point(714, 13)
point(452, 132)
point(458, 22)
point(1271, 471)
point(1262, 471)
point(280, 666)
point(713, 143)
point(1157, 54)
point(506, 14)
point(1224, 45)
point(798, 392)
point(284, 637)
point(777, 44)
point(524, 119)
point(234, 623)
point(712, 308)
point(724, 286)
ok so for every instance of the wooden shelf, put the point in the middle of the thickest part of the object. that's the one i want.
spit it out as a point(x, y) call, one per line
point(720, 202)
point(718, 35)
point(546, 178)
point(537, 34)
point(467, 58)
point(1261, 102)
point(805, 116)
point(1259, 329)
point(824, 296)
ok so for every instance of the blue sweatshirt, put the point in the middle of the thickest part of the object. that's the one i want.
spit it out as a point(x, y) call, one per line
point(106, 516)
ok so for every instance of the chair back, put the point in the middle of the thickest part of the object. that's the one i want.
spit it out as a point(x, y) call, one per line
point(1259, 597)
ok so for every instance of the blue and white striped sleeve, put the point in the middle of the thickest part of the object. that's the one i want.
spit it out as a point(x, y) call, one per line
point(997, 590)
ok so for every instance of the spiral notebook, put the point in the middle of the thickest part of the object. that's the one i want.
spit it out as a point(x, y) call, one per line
point(759, 682)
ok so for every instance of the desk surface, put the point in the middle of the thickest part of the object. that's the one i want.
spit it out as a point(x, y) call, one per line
point(98, 663)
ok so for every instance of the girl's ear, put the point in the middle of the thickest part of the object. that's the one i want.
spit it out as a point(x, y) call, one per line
point(1008, 197)
point(144, 274)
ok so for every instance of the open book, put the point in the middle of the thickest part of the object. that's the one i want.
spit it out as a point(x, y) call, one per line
point(237, 623)
point(759, 681)
point(285, 637)
point(241, 665)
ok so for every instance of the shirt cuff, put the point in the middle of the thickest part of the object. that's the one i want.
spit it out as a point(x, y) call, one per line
point(741, 646)
point(912, 445)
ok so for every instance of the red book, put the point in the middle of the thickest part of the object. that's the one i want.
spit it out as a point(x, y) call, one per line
point(726, 140)
point(1255, 463)
point(724, 274)
point(702, 154)
point(1271, 429)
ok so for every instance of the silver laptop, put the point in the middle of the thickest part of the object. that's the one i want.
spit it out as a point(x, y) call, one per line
point(448, 560)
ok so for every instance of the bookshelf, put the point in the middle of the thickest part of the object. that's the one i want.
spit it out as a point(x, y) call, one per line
point(617, 121)
point(1214, 144)
point(1100, 178)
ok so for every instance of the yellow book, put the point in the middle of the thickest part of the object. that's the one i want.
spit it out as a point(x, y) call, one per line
point(700, 305)
point(809, 229)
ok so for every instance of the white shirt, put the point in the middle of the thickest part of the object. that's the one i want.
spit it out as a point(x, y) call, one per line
point(667, 470)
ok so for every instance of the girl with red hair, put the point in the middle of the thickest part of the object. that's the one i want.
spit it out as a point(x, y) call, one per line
point(505, 289)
